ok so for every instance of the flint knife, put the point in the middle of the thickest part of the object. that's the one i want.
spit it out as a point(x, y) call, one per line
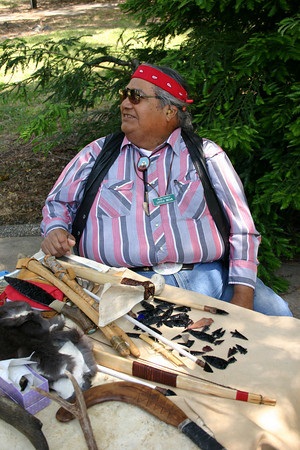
point(39, 295)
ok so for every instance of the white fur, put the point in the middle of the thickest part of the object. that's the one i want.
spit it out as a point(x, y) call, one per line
point(64, 386)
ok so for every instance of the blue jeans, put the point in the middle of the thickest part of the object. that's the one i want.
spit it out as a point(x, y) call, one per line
point(211, 279)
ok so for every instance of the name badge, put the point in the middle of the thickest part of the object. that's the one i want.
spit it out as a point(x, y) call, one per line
point(163, 200)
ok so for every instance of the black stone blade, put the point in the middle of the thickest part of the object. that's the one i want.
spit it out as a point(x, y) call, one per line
point(30, 290)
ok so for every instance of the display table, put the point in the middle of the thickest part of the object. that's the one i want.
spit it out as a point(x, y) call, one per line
point(270, 367)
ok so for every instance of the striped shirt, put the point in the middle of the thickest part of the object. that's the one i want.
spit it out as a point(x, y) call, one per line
point(119, 233)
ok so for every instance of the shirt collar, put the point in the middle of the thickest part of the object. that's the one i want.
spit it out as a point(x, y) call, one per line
point(173, 142)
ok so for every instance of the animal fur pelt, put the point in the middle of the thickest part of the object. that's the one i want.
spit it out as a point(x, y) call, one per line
point(24, 332)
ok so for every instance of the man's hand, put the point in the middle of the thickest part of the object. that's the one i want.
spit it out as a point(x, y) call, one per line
point(243, 296)
point(58, 242)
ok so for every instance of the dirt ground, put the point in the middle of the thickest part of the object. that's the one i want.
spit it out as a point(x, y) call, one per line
point(55, 15)
point(27, 177)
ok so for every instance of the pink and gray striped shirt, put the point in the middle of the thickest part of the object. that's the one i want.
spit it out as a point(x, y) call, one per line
point(120, 234)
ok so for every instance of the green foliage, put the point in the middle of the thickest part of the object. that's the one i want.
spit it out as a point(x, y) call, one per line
point(67, 69)
point(241, 58)
point(242, 61)
point(71, 77)
point(46, 124)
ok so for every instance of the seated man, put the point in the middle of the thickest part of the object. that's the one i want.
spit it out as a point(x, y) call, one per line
point(150, 212)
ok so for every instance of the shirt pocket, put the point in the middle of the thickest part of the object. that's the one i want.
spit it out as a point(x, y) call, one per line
point(190, 198)
point(115, 198)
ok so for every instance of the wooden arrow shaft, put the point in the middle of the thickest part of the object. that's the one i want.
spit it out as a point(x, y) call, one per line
point(186, 382)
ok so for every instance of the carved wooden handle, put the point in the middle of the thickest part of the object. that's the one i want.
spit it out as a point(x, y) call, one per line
point(36, 267)
point(144, 397)
point(76, 315)
point(62, 274)
point(151, 401)
point(134, 350)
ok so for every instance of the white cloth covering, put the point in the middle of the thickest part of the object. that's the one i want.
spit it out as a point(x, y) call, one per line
point(271, 368)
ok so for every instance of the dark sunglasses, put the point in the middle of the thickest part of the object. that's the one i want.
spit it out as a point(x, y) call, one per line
point(134, 95)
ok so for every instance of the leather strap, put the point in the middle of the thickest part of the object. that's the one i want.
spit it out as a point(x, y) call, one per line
point(105, 160)
point(195, 144)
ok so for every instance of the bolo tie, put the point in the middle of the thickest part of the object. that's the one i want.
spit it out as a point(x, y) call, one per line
point(142, 166)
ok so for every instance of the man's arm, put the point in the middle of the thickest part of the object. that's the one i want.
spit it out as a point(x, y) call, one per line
point(244, 238)
point(243, 296)
point(63, 200)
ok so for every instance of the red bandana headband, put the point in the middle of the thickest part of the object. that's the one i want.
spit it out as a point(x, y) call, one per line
point(163, 81)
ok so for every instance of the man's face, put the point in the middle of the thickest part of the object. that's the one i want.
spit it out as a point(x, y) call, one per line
point(145, 124)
